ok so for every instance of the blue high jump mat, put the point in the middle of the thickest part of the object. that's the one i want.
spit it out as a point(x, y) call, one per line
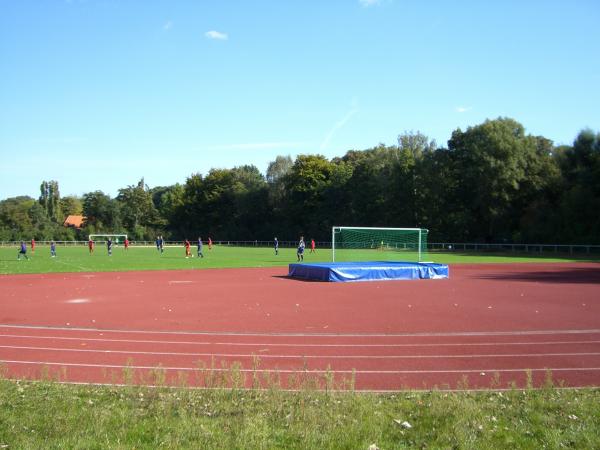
point(368, 271)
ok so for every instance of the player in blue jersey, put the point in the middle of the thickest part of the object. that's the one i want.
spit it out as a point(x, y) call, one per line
point(200, 254)
point(276, 246)
point(301, 246)
point(109, 246)
point(53, 249)
point(23, 251)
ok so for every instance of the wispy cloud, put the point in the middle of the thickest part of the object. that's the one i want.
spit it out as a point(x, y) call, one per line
point(217, 35)
point(168, 25)
point(258, 146)
point(367, 3)
point(339, 124)
point(463, 109)
point(59, 140)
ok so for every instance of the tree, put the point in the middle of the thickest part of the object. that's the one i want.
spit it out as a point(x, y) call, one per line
point(71, 205)
point(415, 143)
point(168, 200)
point(580, 201)
point(138, 213)
point(101, 213)
point(275, 177)
point(491, 162)
point(50, 200)
point(278, 169)
point(235, 202)
point(534, 206)
point(440, 209)
point(305, 186)
point(15, 218)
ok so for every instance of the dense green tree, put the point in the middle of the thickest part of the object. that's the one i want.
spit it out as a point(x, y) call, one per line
point(492, 162)
point(15, 218)
point(336, 198)
point(534, 211)
point(169, 201)
point(50, 200)
point(71, 205)
point(305, 186)
point(439, 207)
point(373, 185)
point(101, 213)
point(235, 202)
point(580, 201)
point(275, 177)
point(494, 182)
point(138, 214)
point(279, 168)
point(189, 218)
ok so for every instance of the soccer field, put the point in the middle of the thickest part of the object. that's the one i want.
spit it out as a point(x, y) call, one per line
point(77, 258)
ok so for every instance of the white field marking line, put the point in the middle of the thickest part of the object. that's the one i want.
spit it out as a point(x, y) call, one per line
point(300, 370)
point(83, 269)
point(180, 282)
point(333, 335)
point(269, 344)
point(267, 356)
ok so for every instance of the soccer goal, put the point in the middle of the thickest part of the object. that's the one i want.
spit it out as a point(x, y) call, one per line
point(116, 238)
point(378, 244)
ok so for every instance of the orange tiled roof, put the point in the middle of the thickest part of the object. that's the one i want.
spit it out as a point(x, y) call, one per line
point(74, 221)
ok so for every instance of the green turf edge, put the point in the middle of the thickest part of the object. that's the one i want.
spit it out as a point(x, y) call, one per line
point(77, 259)
point(50, 415)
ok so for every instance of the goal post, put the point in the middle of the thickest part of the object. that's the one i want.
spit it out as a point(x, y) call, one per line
point(116, 238)
point(373, 243)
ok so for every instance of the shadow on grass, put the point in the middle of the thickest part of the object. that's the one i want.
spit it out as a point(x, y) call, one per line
point(575, 275)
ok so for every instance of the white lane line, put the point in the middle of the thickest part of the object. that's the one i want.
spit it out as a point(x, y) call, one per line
point(269, 344)
point(296, 371)
point(78, 300)
point(359, 335)
point(270, 356)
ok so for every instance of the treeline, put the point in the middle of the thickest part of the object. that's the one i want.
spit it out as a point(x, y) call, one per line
point(492, 183)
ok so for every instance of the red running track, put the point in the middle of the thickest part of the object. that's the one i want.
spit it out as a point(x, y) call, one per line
point(486, 326)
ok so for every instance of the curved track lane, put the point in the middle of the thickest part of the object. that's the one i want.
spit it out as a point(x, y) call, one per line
point(487, 326)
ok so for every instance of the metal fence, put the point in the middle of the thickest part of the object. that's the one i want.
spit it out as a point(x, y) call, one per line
point(431, 246)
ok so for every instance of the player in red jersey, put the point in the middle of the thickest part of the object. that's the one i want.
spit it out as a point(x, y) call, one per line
point(32, 245)
point(91, 246)
point(126, 244)
point(209, 243)
point(188, 253)
point(312, 246)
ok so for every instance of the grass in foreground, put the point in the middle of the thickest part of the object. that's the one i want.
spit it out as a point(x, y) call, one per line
point(50, 415)
point(77, 259)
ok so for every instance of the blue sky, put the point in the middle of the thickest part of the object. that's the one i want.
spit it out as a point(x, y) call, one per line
point(98, 93)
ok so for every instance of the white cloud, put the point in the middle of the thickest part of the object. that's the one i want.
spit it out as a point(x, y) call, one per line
point(216, 35)
point(339, 124)
point(463, 109)
point(168, 25)
point(59, 140)
point(367, 3)
point(258, 146)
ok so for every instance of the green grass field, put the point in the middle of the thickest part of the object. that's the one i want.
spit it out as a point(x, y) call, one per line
point(35, 415)
point(78, 259)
